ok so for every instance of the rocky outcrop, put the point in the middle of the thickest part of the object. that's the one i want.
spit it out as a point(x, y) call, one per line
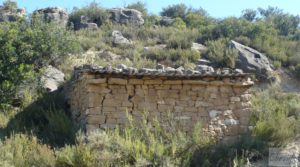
point(252, 61)
point(53, 14)
point(10, 15)
point(52, 78)
point(127, 16)
point(149, 48)
point(119, 39)
point(89, 26)
point(198, 47)
point(166, 21)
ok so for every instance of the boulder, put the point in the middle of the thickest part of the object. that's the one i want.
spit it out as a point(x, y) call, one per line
point(198, 47)
point(11, 15)
point(166, 21)
point(89, 26)
point(252, 61)
point(204, 69)
point(52, 78)
point(127, 16)
point(119, 39)
point(53, 14)
point(149, 48)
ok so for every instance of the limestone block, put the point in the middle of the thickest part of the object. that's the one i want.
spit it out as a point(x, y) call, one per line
point(98, 89)
point(172, 82)
point(122, 97)
point(162, 87)
point(152, 92)
point(214, 113)
point(111, 102)
point(197, 82)
point(97, 81)
point(164, 108)
point(226, 89)
point(240, 90)
point(95, 100)
point(178, 109)
point(117, 81)
point(136, 81)
point(94, 111)
point(231, 121)
point(202, 104)
point(153, 82)
point(182, 103)
point(137, 99)
point(212, 88)
point(198, 88)
point(170, 101)
point(176, 87)
point(96, 119)
point(108, 126)
point(190, 109)
point(235, 99)
point(127, 104)
point(123, 109)
point(106, 109)
point(111, 121)
point(246, 97)
point(186, 87)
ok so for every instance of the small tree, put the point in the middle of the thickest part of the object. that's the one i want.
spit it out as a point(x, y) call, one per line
point(175, 11)
point(9, 5)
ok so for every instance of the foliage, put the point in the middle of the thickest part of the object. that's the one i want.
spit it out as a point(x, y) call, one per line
point(140, 6)
point(9, 5)
point(275, 116)
point(22, 150)
point(94, 13)
point(174, 11)
point(144, 143)
point(221, 54)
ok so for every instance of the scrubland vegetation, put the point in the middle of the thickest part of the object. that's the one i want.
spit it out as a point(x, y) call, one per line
point(36, 127)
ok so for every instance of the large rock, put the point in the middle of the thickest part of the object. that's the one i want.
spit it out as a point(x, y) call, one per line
point(252, 61)
point(198, 47)
point(10, 15)
point(127, 16)
point(89, 26)
point(53, 14)
point(166, 21)
point(52, 78)
point(119, 39)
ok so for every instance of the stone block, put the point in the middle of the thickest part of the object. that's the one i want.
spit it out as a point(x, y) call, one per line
point(96, 119)
point(109, 109)
point(192, 82)
point(127, 104)
point(97, 81)
point(202, 104)
point(117, 81)
point(164, 108)
point(98, 89)
point(190, 109)
point(212, 88)
point(136, 81)
point(198, 88)
point(153, 82)
point(172, 82)
point(111, 103)
point(235, 99)
point(176, 87)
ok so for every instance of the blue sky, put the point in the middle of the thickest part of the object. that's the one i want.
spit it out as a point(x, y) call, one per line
point(216, 8)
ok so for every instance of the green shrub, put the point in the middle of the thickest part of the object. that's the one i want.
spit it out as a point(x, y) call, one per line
point(221, 54)
point(94, 13)
point(22, 150)
point(275, 116)
point(139, 143)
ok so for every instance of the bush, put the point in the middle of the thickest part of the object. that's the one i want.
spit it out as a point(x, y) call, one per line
point(94, 13)
point(275, 116)
point(139, 144)
point(25, 48)
point(22, 150)
point(221, 54)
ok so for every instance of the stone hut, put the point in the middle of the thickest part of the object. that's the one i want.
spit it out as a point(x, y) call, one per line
point(220, 100)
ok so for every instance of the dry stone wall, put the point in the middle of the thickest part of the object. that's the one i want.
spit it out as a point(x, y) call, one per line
point(102, 99)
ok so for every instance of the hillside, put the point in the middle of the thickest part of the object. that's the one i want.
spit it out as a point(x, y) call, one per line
point(39, 51)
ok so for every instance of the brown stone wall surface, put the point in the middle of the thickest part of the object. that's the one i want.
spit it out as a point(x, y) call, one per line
point(221, 105)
